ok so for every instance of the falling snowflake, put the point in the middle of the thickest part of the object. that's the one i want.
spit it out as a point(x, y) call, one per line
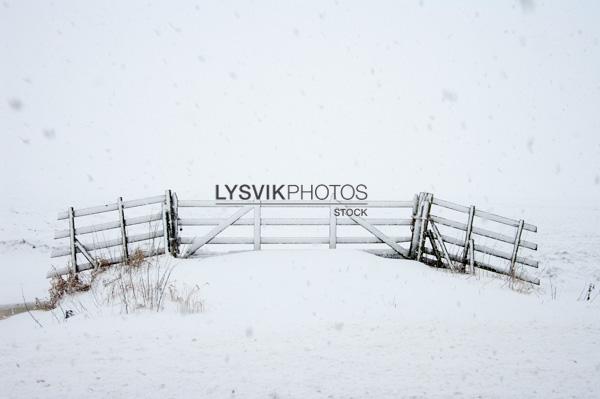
point(50, 134)
point(15, 104)
point(449, 95)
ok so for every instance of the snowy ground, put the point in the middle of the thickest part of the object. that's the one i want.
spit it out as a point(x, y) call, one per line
point(297, 324)
point(23, 264)
point(320, 323)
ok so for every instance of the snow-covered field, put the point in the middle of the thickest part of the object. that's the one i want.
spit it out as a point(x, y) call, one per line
point(319, 323)
point(312, 323)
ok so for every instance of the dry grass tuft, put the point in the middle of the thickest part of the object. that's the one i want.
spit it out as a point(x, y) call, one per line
point(61, 286)
point(188, 301)
point(137, 258)
point(139, 284)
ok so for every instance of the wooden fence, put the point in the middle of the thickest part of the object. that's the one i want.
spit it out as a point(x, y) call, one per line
point(425, 234)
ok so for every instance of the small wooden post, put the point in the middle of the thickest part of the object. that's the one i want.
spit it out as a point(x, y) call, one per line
point(425, 208)
point(72, 238)
point(174, 223)
point(468, 233)
point(257, 227)
point(165, 228)
point(472, 255)
point(416, 225)
point(125, 251)
point(332, 228)
point(170, 232)
point(516, 247)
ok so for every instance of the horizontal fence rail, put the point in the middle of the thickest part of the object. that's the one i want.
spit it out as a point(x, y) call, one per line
point(482, 232)
point(110, 225)
point(423, 240)
point(64, 251)
point(112, 207)
point(302, 204)
point(296, 240)
point(292, 222)
point(483, 215)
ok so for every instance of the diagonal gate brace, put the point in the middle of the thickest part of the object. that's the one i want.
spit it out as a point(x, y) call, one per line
point(434, 248)
point(200, 241)
point(85, 253)
point(438, 237)
point(379, 234)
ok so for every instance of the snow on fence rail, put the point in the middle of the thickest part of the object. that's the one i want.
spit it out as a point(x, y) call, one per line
point(428, 237)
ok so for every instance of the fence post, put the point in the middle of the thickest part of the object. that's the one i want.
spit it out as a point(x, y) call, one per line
point(72, 238)
point(468, 234)
point(166, 235)
point(171, 229)
point(516, 247)
point(416, 225)
point(332, 228)
point(424, 218)
point(125, 256)
point(174, 223)
point(257, 227)
point(472, 255)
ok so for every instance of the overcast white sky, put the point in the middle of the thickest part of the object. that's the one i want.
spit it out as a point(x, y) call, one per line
point(464, 99)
